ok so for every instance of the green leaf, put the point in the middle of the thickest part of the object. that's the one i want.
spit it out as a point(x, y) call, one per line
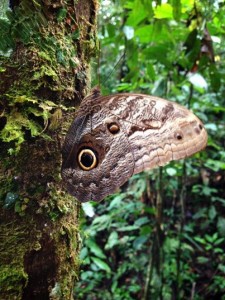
point(148, 7)
point(176, 9)
point(221, 268)
point(116, 201)
point(83, 253)
point(221, 226)
point(128, 228)
point(101, 264)
point(138, 14)
point(95, 249)
point(219, 241)
point(164, 11)
point(171, 171)
point(144, 33)
point(87, 275)
point(102, 221)
point(141, 221)
point(112, 240)
point(151, 71)
point(138, 242)
point(202, 260)
point(215, 165)
point(212, 212)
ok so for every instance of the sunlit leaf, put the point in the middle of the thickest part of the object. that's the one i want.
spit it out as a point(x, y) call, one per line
point(164, 11)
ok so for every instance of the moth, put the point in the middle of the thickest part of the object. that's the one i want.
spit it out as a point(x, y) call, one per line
point(113, 137)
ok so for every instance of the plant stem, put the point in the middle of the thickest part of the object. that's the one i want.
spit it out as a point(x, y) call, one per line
point(180, 234)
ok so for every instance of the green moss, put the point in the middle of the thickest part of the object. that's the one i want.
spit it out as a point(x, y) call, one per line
point(9, 279)
point(48, 61)
point(61, 14)
point(13, 246)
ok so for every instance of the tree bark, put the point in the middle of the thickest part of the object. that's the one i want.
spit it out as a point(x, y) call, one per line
point(44, 72)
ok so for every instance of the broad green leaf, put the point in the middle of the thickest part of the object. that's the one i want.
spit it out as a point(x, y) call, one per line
point(164, 11)
point(144, 33)
point(138, 14)
point(215, 165)
point(141, 221)
point(83, 253)
point(112, 240)
point(101, 264)
point(104, 219)
point(95, 249)
point(87, 275)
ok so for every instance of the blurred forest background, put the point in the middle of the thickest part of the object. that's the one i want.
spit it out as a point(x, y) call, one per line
point(163, 235)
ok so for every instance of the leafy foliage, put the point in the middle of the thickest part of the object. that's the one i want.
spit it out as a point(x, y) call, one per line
point(163, 235)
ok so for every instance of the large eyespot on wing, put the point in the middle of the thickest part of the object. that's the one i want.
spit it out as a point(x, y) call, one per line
point(87, 159)
point(100, 161)
point(70, 148)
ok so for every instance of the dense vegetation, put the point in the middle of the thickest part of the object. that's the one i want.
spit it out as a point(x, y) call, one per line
point(162, 236)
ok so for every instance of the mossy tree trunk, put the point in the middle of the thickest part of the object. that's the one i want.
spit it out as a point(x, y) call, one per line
point(44, 72)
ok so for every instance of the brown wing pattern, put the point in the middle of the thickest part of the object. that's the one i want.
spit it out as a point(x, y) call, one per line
point(126, 134)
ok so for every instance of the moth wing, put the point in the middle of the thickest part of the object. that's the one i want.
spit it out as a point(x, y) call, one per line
point(158, 130)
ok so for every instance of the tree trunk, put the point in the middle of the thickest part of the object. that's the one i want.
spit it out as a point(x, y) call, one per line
point(44, 72)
